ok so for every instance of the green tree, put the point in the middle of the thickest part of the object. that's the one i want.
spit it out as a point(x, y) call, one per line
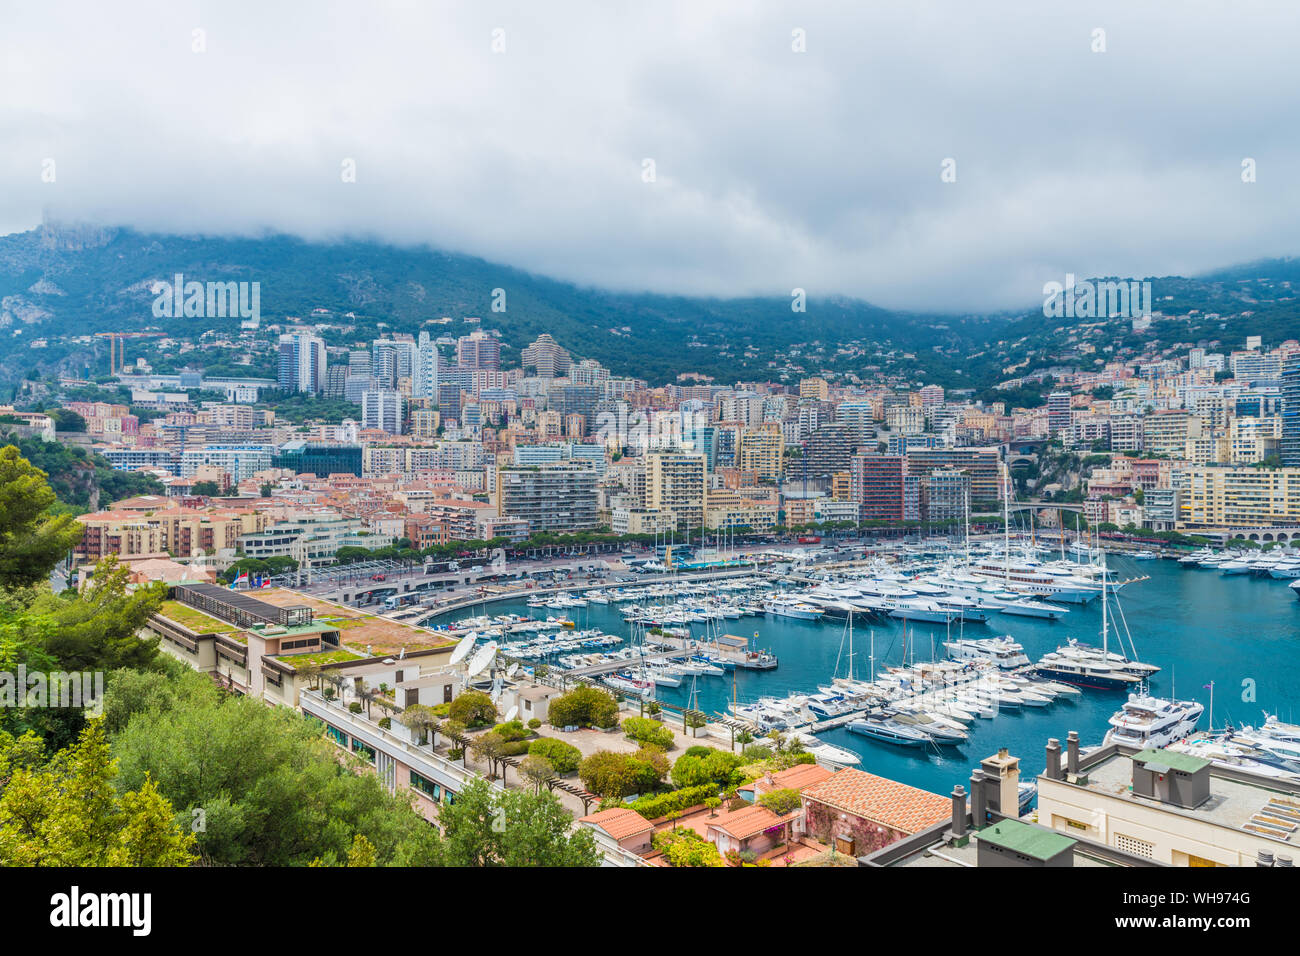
point(512, 828)
point(271, 787)
point(68, 813)
point(32, 541)
point(473, 708)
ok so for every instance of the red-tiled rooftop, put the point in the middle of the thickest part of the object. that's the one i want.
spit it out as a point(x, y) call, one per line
point(798, 777)
point(619, 822)
point(883, 801)
point(751, 821)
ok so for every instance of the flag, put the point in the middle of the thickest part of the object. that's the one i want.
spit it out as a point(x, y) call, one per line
point(266, 582)
point(1209, 686)
point(241, 579)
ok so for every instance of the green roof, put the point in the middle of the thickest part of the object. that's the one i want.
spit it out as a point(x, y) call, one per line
point(1171, 759)
point(1037, 842)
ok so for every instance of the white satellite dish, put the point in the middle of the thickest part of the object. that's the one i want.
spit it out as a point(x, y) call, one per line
point(464, 647)
point(484, 656)
point(512, 713)
point(512, 670)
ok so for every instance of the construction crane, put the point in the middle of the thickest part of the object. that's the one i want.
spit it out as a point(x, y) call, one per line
point(117, 347)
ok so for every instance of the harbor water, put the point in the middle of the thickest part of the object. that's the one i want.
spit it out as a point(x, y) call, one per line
point(1198, 625)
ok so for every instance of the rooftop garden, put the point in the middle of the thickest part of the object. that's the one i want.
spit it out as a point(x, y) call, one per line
point(194, 619)
point(320, 659)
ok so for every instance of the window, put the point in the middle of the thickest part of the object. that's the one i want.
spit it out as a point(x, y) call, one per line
point(367, 753)
point(338, 736)
point(425, 786)
point(446, 694)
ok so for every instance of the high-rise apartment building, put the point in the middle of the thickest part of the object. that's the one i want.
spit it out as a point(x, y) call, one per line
point(876, 484)
point(675, 482)
point(302, 363)
point(557, 497)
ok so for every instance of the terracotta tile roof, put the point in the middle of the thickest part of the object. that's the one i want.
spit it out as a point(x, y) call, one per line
point(619, 822)
point(798, 777)
point(887, 802)
point(751, 821)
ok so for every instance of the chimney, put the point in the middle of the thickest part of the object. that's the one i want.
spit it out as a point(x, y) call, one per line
point(1072, 754)
point(977, 799)
point(1265, 858)
point(1053, 771)
point(1283, 860)
point(958, 814)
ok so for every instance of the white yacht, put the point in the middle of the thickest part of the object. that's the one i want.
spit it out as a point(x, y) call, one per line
point(825, 753)
point(1146, 721)
point(792, 607)
point(1003, 651)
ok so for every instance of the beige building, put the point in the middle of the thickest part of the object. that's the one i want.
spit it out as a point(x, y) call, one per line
point(729, 508)
point(674, 483)
point(1227, 497)
point(761, 450)
point(1169, 807)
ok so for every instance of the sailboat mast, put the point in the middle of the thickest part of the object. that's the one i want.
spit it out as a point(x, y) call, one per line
point(1104, 620)
point(1006, 526)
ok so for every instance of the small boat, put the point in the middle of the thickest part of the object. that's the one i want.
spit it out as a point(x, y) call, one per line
point(889, 731)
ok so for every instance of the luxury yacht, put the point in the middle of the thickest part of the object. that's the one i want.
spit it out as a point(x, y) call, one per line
point(1146, 721)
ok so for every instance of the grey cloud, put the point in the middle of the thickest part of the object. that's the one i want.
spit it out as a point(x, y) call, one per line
point(775, 169)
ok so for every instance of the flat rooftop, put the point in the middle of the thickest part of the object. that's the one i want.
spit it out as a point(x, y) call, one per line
point(357, 628)
point(1232, 803)
point(958, 857)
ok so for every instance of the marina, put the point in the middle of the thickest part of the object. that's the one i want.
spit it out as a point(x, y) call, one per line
point(1191, 626)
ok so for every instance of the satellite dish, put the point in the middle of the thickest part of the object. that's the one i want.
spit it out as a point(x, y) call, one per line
point(512, 713)
point(484, 656)
point(512, 670)
point(463, 648)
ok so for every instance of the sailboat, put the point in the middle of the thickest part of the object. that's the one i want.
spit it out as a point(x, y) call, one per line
point(1074, 665)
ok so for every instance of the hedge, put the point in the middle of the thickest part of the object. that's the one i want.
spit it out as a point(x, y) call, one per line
point(674, 801)
point(646, 731)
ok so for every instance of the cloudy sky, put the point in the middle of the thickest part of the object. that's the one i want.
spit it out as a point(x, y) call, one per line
point(773, 169)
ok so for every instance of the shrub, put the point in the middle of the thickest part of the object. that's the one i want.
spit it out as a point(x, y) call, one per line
point(511, 730)
point(684, 847)
point(473, 709)
point(698, 751)
point(515, 748)
point(660, 805)
point(385, 723)
point(717, 766)
point(534, 724)
point(648, 732)
point(610, 774)
point(563, 757)
point(355, 707)
point(781, 802)
point(755, 753)
point(583, 707)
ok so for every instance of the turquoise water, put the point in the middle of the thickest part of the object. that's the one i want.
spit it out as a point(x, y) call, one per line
point(1240, 631)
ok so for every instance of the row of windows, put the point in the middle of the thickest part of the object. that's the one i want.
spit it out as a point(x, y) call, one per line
point(431, 789)
point(418, 781)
